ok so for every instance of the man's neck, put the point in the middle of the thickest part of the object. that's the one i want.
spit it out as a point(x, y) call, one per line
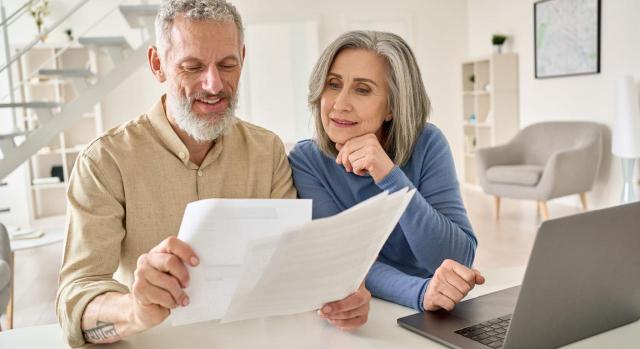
point(197, 150)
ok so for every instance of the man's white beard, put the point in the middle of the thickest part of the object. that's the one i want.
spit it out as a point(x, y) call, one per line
point(201, 128)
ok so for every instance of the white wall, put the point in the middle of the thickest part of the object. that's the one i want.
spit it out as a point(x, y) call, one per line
point(436, 30)
point(589, 97)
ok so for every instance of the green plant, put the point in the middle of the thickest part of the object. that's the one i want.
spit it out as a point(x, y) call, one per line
point(498, 39)
point(472, 78)
point(39, 10)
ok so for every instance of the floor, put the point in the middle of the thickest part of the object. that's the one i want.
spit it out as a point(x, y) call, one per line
point(505, 243)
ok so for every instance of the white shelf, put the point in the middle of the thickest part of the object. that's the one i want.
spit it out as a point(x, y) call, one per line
point(496, 114)
point(477, 93)
point(60, 185)
point(49, 199)
point(481, 125)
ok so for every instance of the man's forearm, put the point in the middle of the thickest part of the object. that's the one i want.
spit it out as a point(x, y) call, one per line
point(108, 318)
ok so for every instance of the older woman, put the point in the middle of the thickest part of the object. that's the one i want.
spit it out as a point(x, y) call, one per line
point(371, 109)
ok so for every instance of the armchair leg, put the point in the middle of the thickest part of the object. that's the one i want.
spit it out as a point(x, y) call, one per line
point(497, 207)
point(583, 201)
point(544, 209)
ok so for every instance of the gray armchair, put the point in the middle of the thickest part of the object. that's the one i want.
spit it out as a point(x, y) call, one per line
point(5, 268)
point(542, 162)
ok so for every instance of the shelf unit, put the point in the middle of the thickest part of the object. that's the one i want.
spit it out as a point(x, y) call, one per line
point(49, 199)
point(489, 106)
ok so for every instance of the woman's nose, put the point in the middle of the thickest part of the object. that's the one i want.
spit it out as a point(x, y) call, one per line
point(342, 102)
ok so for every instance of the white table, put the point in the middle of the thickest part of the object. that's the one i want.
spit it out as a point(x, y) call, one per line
point(304, 330)
point(53, 229)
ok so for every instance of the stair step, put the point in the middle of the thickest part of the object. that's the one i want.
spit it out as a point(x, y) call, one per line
point(134, 14)
point(13, 134)
point(67, 73)
point(31, 105)
point(119, 41)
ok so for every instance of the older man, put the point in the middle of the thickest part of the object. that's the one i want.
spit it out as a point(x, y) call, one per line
point(123, 269)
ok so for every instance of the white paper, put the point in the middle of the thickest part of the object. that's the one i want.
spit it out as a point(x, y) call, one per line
point(319, 262)
point(218, 230)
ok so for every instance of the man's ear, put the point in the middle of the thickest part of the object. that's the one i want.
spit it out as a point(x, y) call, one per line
point(154, 63)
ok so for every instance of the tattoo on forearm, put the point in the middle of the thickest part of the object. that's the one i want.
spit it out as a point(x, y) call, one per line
point(102, 331)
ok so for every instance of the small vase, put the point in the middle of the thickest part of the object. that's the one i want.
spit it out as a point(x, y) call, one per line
point(497, 49)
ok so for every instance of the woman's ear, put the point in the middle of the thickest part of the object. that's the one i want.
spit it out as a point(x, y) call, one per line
point(389, 117)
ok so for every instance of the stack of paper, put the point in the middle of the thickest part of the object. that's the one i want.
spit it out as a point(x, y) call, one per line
point(218, 230)
point(303, 267)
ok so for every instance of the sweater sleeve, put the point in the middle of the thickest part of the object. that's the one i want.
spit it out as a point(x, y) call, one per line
point(309, 186)
point(435, 223)
point(389, 283)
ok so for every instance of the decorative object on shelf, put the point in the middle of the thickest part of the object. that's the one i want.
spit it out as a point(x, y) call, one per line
point(472, 119)
point(487, 87)
point(498, 40)
point(39, 9)
point(567, 37)
point(489, 119)
point(57, 171)
point(626, 133)
point(472, 78)
point(69, 33)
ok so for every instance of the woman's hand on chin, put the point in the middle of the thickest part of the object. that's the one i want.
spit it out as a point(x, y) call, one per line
point(364, 154)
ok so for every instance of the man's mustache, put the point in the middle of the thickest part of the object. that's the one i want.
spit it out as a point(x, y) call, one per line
point(205, 95)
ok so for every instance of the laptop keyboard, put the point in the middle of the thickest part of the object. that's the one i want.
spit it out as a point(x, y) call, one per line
point(490, 333)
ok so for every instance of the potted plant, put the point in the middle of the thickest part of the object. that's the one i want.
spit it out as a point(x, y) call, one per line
point(498, 40)
point(39, 10)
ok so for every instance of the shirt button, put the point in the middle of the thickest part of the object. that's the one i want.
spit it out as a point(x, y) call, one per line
point(200, 173)
point(181, 155)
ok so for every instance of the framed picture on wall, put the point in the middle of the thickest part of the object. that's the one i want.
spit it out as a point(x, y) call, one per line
point(566, 37)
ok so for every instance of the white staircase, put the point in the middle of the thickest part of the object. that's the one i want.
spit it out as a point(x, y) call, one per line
point(16, 146)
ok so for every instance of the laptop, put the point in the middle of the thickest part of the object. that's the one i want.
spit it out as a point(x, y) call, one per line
point(583, 278)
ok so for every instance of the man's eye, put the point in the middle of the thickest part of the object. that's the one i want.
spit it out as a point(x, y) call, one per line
point(228, 66)
point(192, 68)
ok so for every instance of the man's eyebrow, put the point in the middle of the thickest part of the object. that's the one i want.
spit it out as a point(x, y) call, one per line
point(188, 58)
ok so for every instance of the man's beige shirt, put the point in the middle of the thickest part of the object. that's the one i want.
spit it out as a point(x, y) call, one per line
point(129, 189)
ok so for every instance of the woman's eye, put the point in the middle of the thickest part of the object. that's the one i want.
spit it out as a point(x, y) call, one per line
point(333, 84)
point(362, 91)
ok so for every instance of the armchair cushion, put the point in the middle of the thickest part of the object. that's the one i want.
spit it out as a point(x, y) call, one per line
point(528, 175)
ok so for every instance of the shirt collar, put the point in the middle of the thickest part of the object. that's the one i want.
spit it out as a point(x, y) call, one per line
point(160, 123)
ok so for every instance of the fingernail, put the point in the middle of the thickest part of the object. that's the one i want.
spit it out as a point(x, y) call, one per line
point(194, 261)
point(185, 301)
point(326, 309)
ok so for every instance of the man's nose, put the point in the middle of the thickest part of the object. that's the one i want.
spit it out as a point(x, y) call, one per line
point(211, 81)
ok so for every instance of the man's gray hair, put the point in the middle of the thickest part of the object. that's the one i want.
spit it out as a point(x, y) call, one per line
point(195, 10)
point(408, 100)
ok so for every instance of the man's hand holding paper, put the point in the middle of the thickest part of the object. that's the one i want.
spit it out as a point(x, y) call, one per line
point(297, 267)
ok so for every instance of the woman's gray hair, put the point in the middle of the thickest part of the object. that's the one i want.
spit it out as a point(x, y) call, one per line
point(195, 10)
point(408, 100)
